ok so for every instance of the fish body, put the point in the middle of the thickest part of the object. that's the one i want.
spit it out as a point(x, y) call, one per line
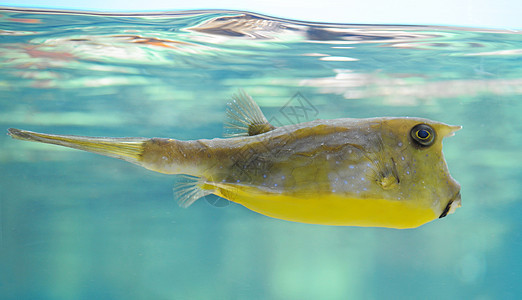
point(378, 172)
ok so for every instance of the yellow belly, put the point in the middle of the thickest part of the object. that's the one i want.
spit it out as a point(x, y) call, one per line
point(330, 209)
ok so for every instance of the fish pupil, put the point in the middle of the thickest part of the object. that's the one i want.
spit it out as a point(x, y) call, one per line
point(423, 134)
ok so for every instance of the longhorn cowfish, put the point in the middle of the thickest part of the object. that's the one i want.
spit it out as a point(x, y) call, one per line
point(376, 172)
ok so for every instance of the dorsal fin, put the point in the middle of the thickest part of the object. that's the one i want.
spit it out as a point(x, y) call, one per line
point(188, 189)
point(244, 117)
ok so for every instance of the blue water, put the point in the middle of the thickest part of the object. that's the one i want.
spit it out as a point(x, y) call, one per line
point(74, 225)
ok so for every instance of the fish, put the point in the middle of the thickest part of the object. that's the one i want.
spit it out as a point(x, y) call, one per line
point(374, 172)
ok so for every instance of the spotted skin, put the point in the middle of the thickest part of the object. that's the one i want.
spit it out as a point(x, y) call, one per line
point(369, 160)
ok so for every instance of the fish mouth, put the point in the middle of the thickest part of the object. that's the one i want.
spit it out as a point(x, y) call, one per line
point(452, 205)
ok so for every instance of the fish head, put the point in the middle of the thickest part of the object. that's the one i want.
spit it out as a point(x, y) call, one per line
point(415, 147)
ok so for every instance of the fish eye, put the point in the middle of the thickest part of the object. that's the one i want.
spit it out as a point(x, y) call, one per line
point(423, 135)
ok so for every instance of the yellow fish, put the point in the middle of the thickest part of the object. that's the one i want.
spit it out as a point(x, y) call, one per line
point(376, 172)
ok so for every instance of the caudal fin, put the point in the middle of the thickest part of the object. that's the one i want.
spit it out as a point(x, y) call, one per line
point(129, 149)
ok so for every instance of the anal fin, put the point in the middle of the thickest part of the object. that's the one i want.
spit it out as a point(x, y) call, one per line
point(244, 117)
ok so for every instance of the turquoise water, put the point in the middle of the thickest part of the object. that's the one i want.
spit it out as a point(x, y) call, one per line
point(75, 225)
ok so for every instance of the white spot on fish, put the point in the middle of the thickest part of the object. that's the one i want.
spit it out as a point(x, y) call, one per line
point(399, 144)
point(402, 157)
point(351, 167)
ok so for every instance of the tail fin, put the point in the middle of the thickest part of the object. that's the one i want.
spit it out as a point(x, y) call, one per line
point(129, 149)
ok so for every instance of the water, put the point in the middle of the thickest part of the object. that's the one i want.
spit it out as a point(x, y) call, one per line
point(79, 226)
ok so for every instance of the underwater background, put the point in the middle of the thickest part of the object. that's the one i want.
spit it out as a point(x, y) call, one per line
point(75, 225)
